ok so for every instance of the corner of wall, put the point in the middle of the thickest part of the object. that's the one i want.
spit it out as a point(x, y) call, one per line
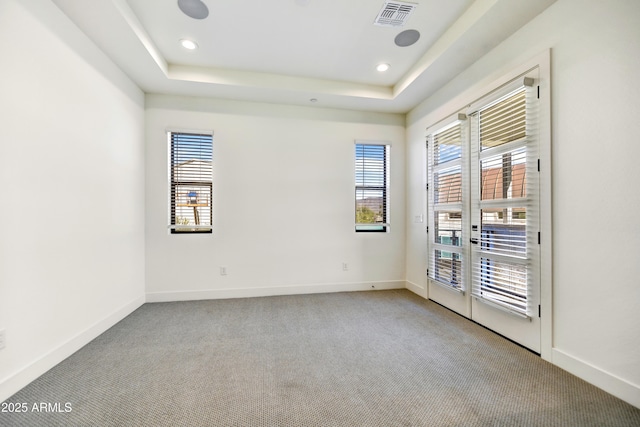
point(18, 380)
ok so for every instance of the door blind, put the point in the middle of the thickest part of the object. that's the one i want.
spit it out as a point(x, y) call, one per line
point(446, 189)
point(505, 205)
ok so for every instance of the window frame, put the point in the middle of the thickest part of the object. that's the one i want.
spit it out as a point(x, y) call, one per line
point(197, 180)
point(377, 227)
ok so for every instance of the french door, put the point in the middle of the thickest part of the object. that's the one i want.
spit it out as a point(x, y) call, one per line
point(494, 245)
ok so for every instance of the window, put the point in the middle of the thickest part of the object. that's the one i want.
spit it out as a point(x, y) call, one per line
point(372, 180)
point(191, 192)
point(446, 148)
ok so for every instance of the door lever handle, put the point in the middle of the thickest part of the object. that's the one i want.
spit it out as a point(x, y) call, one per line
point(474, 241)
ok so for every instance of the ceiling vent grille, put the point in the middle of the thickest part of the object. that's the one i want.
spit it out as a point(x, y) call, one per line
point(394, 14)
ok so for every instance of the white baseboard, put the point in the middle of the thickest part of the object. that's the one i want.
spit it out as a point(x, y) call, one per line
point(18, 380)
point(418, 289)
point(610, 383)
point(272, 291)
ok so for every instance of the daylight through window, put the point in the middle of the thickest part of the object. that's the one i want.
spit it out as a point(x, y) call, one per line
point(190, 168)
point(445, 150)
point(371, 169)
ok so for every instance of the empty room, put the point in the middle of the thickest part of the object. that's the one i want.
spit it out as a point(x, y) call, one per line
point(322, 213)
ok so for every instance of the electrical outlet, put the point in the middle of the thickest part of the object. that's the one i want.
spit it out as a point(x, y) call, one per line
point(3, 339)
point(223, 271)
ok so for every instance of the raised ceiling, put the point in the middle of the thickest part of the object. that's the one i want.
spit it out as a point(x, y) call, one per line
point(292, 51)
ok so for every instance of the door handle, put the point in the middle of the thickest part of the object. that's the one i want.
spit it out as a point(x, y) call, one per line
point(474, 241)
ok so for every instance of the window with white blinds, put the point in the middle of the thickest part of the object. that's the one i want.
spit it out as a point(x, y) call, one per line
point(446, 189)
point(371, 190)
point(191, 182)
point(505, 208)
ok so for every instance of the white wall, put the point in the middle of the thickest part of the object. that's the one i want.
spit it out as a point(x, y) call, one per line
point(283, 202)
point(72, 174)
point(72, 254)
point(594, 102)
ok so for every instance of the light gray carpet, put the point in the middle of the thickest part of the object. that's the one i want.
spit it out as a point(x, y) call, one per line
point(383, 358)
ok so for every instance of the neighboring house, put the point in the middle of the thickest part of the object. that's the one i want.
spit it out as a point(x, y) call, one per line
point(192, 188)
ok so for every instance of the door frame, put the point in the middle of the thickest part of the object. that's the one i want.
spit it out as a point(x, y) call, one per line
point(495, 81)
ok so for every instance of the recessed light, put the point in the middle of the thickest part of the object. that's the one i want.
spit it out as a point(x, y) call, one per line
point(188, 44)
point(313, 100)
point(383, 67)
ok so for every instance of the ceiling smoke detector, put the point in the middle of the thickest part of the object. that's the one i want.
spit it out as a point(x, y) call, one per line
point(394, 14)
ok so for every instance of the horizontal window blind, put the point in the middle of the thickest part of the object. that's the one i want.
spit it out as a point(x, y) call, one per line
point(447, 268)
point(447, 145)
point(504, 175)
point(191, 204)
point(504, 231)
point(448, 227)
point(371, 173)
point(504, 149)
point(445, 184)
point(504, 283)
point(504, 121)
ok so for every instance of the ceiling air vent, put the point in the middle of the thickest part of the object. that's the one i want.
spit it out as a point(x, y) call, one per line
point(394, 14)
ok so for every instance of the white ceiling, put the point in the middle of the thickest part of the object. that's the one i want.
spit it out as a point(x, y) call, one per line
point(290, 51)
